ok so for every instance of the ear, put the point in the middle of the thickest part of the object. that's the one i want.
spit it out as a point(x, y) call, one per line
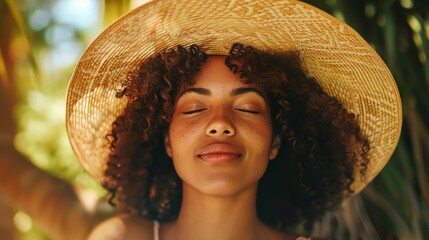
point(167, 145)
point(275, 146)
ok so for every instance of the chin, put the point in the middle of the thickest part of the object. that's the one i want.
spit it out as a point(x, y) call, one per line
point(225, 188)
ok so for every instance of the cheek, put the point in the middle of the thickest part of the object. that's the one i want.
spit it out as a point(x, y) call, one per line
point(181, 149)
point(260, 138)
point(259, 130)
point(181, 134)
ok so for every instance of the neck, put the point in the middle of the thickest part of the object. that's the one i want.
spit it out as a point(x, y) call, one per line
point(217, 217)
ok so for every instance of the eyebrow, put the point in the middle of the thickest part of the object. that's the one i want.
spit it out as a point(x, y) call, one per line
point(240, 91)
point(233, 93)
point(199, 91)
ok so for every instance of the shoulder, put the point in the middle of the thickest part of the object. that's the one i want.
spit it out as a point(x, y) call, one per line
point(124, 226)
point(294, 237)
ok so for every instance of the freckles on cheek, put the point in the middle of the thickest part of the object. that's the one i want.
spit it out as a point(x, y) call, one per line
point(176, 136)
point(262, 134)
point(263, 130)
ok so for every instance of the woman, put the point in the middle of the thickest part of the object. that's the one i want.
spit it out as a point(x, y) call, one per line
point(256, 143)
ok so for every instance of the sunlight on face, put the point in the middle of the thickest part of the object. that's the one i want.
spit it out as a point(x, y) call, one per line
point(220, 135)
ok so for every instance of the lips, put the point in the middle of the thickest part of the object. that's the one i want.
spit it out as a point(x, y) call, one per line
point(219, 153)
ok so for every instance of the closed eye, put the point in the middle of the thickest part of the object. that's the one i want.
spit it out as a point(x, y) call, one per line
point(194, 111)
point(247, 111)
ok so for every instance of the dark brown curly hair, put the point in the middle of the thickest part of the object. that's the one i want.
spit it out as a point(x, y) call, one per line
point(322, 145)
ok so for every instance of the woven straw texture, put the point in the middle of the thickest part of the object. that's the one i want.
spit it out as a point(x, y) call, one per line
point(341, 61)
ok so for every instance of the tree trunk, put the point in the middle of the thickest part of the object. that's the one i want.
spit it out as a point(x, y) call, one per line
point(7, 124)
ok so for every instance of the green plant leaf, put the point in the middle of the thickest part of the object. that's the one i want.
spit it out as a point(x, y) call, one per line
point(17, 16)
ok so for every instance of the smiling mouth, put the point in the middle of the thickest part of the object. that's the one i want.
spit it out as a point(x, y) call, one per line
point(219, 157)
point(219, 153)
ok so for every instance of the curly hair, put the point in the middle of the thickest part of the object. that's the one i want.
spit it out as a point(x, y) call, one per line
point(322, 144)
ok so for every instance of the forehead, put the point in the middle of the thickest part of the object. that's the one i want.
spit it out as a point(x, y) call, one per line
point(215, 79)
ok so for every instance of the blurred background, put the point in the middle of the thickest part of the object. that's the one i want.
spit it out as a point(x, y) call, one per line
point(44, 194)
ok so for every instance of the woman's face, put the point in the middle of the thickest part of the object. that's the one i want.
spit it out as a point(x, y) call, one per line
point(220, 137)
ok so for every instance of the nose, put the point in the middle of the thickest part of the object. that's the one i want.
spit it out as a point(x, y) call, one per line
point(220, 126)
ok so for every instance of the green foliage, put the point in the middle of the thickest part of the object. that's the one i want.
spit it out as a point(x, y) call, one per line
point(41, 87)
point(397, 201)
point(394, 206)
point(41, 107)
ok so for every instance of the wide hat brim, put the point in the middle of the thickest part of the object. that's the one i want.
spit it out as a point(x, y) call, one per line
point(343, 63)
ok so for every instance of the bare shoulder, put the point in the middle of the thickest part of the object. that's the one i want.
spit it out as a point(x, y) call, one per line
point(296, 237)
point(125, 226)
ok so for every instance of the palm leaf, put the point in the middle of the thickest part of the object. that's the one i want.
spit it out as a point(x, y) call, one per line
point(17, 16)
point(3, 73)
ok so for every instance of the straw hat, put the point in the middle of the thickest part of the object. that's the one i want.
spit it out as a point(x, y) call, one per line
point(343, 63)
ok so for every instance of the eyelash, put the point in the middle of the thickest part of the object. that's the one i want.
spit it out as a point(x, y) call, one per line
point(194, 111)
point(203, 109)
point(247, 111)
